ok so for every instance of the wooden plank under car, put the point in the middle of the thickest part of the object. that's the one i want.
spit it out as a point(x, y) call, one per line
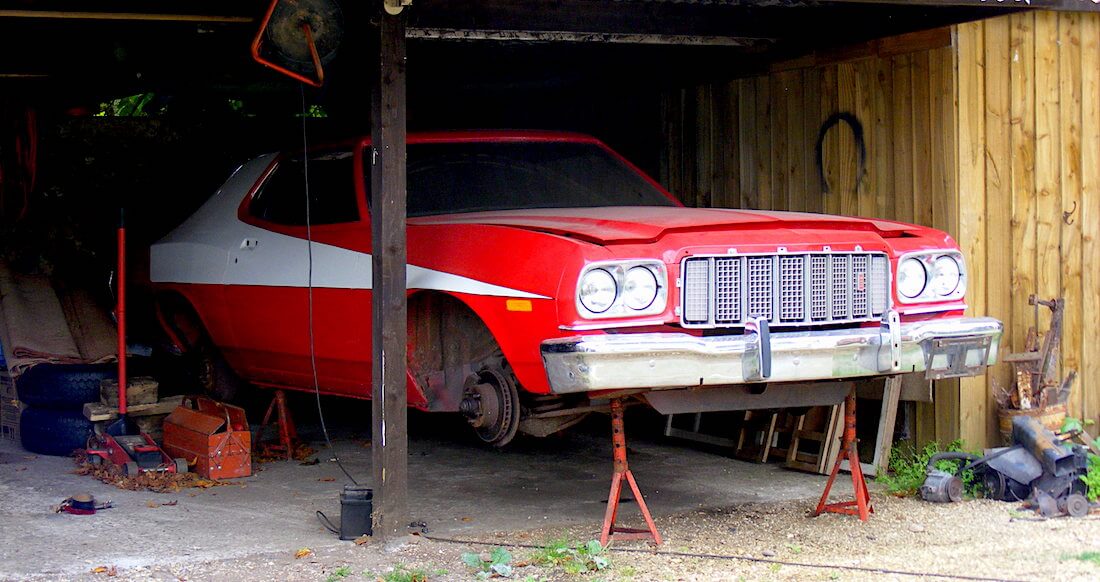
point(97, 411)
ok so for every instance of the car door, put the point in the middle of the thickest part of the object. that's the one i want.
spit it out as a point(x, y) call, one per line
point(296, 251)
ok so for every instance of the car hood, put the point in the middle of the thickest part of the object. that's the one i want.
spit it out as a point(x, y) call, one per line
point(622, 224)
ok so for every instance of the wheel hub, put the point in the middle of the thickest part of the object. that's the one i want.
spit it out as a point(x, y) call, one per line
point(491, 405)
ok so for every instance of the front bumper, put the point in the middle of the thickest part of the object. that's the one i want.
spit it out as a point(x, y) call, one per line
point(941, 349)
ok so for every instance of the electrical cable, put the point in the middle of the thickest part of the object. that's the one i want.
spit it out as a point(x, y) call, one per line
point(736, 557)
point(309, 291)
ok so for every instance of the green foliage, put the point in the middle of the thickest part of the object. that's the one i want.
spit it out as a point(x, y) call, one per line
point(907, 469)
point(1070, 424)
point(1092, 557)
point(573, 558)
point(339, 574)
point(1092, 478)
point(132, 106)
point(403, 573)
point(498, 564)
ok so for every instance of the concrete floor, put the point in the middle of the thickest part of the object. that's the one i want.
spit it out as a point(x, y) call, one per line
point(456, 487)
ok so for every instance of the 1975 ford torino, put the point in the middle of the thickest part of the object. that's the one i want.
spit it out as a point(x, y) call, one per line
point(546, 271)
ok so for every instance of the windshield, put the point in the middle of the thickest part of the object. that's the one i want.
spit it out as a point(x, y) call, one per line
point(446, 178)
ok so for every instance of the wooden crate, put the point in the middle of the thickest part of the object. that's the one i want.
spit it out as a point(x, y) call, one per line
point(9, 408)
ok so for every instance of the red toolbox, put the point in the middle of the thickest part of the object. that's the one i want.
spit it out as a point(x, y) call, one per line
point(211, 435)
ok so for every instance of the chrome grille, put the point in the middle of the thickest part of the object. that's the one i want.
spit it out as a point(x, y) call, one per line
point(841, 277)
point(696, 303)
point(727, 305)
point(819, 282)
point(859, 290)
point(792, 291)
point(784, 288)
point(760, 287)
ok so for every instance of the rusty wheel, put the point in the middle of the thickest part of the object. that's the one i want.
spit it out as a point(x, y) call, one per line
point(491, 405)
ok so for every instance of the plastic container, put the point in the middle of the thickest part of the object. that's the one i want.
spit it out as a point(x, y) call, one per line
point(356, 506)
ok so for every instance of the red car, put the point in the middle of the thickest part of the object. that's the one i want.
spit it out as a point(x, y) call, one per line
point(545, 270)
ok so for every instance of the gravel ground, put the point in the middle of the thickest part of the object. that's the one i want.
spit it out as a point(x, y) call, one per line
point(986, 539)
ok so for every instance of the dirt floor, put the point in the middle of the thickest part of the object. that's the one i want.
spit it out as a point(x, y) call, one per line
point(906, 539)
point(721, 520)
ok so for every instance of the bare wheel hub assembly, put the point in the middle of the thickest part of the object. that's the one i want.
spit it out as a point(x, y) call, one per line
point(490, 403)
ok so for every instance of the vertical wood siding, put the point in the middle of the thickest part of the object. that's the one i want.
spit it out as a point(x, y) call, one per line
point(990, 137)
point(1029, 148)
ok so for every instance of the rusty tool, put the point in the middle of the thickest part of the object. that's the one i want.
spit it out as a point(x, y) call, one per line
point(621, 472)
point(861, 505)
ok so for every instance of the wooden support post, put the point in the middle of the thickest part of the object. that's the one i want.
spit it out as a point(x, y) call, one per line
point(389, 451)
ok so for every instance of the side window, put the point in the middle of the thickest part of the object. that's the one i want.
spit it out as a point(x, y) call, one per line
point(282, 197)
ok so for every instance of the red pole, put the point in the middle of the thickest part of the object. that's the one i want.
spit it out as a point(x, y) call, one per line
point(121, 314)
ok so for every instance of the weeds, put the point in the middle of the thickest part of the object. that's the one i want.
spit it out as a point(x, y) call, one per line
point(1092, 478)
point(403, 573)
point(498, 564)
point(1091, 557)
point(572, 558)
point(908, 468)
point(339, 574)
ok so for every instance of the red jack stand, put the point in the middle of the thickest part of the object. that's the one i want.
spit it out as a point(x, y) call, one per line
point(618, 438)
point(288, 434)
point(849, 452)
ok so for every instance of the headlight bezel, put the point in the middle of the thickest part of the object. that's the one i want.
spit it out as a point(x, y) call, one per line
point(924, 278)
point(618, 270)
point(928, 260)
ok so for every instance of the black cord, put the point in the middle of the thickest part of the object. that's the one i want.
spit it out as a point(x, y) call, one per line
point(309, 288)
point(321, 517)
point(736, 557)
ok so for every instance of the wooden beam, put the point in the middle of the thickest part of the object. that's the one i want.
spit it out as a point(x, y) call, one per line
point(132, 16)
point(503, 35)
point(389, 449)
point(1072, 5)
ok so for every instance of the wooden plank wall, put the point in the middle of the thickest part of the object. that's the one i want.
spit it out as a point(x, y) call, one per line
point(1029, 151)
point(990, 131)
point(765, 129)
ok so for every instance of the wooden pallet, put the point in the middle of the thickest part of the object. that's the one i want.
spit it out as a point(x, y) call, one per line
point(98, 411)
point(821, 428)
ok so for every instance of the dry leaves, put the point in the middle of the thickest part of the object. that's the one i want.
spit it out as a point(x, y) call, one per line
point(362, 540)
point(302, 553)
point(153, 481)
point(108, 570)
point(301, 452)
point(327, 479)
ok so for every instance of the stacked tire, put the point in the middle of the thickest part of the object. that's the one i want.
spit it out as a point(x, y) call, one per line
point(53, 422)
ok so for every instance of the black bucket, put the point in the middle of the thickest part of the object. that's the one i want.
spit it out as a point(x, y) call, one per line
point(356, 506)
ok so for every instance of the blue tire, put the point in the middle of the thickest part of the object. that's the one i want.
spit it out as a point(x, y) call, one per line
point(53, 432)
point(63, 386)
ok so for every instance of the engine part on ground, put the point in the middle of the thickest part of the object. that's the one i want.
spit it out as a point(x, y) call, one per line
point(1042, 444)
point(1014, 464)
point(214, 434)
point(491, 405)
point(941, 487)
point(1074, 505)
point(1040, 468)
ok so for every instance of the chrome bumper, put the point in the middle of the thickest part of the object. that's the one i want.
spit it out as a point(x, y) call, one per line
point(941, 349)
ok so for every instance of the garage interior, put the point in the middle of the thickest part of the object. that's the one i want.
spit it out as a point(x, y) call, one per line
point(724, 102)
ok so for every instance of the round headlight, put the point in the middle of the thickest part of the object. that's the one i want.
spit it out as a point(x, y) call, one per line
point(911, 278)
point(597, 290)
point(639, 288)
point(946, 275)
